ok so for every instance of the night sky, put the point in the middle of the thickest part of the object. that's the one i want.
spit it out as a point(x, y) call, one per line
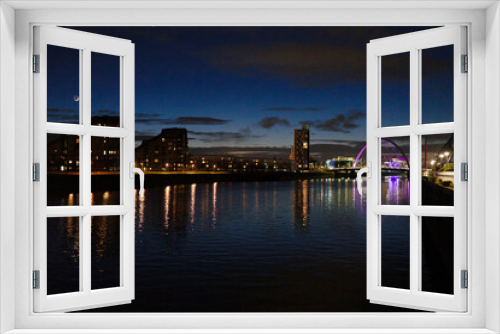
point(246, 88)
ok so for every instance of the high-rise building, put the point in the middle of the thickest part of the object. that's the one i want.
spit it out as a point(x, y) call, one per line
point(167, 151)
point(300, 150)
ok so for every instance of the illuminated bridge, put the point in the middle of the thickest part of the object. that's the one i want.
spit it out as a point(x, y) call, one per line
point(394, 158)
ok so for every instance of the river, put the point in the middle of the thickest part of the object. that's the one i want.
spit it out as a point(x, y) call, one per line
point(287, 246)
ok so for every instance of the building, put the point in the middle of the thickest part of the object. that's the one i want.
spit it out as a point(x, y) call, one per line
point(211, 162)
point(166, 152)
point(105, 156)
point(340, 162)
point(63, 151)
point(236, 164)
point(300, 149)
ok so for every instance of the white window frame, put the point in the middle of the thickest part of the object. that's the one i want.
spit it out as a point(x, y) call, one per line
point(86, 44)
point(483, 21)
point(414, 44)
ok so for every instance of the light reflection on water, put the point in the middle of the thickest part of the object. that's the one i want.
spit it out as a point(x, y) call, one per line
point(296, 246)
point(395, 190)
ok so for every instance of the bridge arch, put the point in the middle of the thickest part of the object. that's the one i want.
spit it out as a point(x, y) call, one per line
point(387, 141)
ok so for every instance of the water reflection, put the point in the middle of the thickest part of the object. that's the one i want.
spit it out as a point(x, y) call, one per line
point(166, 208)
point(193, 202)
point(300, 203)
point(71, 199)
point(139, 199)
point(255, 261)
point(104, 198)
point(395, 190)
point(105, 250)
point(63, 255)
point(214, 204)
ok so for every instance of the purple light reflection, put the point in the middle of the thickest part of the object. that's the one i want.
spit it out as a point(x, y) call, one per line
point(392, 163)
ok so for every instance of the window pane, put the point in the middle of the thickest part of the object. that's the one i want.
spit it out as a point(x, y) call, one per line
point(63, 85)
point(438, 170)
point(63, 170)
point(395, 89)
point(105, 252)
point(437, 254)
point(437, 85)
point(395, 163)
point(105, 171)
point(105, 90)
point(396, 251)
point(63, 257)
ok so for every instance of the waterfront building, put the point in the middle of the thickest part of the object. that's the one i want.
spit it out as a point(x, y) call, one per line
point(105, 156)
point(63, 151)
point(210, 162)
point(236, 164)
point(340, 162)
point(300, 149)
point(168, 151)
point(261, 165)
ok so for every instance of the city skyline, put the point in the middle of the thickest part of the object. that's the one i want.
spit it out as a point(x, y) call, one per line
point(244, 88)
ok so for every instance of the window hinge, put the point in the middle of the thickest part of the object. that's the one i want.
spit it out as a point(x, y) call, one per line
point(36, 63)
point(465, 63)
point(464, 171)
point(36, 279)
point(465, 279)
point(36, 172)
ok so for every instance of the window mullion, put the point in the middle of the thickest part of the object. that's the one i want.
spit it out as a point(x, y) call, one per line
point(414, 169)
point(86, 169)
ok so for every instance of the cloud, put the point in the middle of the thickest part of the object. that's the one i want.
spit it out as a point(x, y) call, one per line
point(63, 115)
point(197, 121)
point(184, 121)
point(148, 121)
point(60, 110)
point(72, 115)
point(341, 123)
point(105, 112)
point(146, 115)
point(220, 136)
point(301, 64)
point(270, 122)
point(143, 135)
point(294, 109)
point(245, 151)
point(312, 64)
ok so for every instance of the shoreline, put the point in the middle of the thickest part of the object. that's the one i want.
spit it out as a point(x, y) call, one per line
point(102, 181)
point(70, 183)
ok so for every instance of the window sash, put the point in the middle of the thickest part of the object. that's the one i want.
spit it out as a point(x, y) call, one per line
point(86, 297)
point(414, 297)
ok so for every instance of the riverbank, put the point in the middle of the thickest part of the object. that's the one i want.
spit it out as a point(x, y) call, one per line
point(69, 183)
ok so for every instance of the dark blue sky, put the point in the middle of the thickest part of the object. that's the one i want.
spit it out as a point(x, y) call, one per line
point(251, 86)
